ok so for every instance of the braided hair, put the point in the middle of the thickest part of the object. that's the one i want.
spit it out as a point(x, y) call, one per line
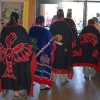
point(13, 18)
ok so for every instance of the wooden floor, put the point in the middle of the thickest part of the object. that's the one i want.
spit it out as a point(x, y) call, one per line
point(77, 89)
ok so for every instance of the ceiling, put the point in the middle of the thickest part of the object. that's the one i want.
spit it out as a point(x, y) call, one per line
point(13, 0)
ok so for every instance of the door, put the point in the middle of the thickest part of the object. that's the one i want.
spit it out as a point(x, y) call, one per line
point(77, 12)
point(48, 11)
point(93, 10)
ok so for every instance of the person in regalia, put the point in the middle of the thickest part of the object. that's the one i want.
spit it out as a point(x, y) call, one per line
point(86, 50)
point(63, 37)
point(71, 22)
point(44, 47)
point(17, 55)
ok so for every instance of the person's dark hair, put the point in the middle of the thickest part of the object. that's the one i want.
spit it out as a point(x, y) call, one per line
point(39, 20)
point(13, 18)
point(95, 19)
point(90, 21)
point(60, 13)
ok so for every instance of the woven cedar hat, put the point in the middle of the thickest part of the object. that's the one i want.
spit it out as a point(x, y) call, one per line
point(69, 13)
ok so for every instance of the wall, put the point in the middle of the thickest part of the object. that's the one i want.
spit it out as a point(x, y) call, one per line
point(32, 13)
point(8, 7)
point(29, 13)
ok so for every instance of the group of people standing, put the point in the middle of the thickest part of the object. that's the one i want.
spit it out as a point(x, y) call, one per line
point(42, 54)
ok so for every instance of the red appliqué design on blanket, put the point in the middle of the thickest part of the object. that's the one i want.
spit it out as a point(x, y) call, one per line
point(77, 52)
point(89, 37)
point(95, 53)
point(19, 53)
point(73, 44)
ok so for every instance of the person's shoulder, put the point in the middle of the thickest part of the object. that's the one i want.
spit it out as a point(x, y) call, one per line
point(21, 29)
point(58, 22)
point(62, 23)
point(54, 25)
point(65, 23)
point(68, 19)
point(4, 28)
point(87, 28)
point(91, 29)
point(37, 27)
point(42, 29)
point(20, 26)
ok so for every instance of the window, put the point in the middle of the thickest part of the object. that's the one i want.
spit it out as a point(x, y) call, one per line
point(48, 11)
point(93, 10)
point(77, 12)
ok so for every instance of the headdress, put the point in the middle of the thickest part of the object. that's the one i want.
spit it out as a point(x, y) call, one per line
point(69, 13)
